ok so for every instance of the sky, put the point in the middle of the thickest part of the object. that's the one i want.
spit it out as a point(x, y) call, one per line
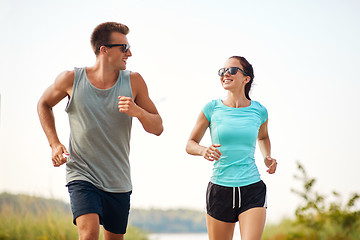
point(305, 56)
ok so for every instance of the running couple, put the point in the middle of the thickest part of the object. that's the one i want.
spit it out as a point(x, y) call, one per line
point(103, 99)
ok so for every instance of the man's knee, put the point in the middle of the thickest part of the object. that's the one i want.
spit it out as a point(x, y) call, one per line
point(88, 235)
point(112, 236)
point(88, 226)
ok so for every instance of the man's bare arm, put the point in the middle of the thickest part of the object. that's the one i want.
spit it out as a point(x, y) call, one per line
point(141, 106)
point(61, 88)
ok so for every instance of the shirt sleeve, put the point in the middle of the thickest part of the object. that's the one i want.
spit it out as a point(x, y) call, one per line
point(208, 110)
point(264, 114)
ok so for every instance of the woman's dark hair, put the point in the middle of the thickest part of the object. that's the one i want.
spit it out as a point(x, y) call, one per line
point(248, 69)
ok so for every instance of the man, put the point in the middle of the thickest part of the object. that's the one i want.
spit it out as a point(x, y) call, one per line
point(103, 99)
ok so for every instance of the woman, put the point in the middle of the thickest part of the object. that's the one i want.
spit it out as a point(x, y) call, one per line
point(235, 191)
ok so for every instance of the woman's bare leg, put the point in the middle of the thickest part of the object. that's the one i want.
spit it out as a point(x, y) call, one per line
point(252, 223)
point(219, 230)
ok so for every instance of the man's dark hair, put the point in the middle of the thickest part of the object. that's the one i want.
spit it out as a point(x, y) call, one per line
point(101, 34)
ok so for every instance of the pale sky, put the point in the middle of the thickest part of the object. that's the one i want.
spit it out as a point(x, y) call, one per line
point(305, 56)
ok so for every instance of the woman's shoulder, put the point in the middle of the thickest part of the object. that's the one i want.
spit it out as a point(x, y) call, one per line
point(211, 105)
point(213, 102)
point(258, 106)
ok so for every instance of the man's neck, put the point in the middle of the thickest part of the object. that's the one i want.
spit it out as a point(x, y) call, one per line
point(102, 75)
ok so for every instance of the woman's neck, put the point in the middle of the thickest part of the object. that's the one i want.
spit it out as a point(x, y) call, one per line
point(236, 100)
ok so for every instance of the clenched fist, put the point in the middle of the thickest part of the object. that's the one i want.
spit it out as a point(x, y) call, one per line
point(128, 106)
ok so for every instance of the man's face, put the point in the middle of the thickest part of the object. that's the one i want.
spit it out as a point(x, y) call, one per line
point(116, 54)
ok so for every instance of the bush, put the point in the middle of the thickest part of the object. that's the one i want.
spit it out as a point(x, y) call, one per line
point(317, 218)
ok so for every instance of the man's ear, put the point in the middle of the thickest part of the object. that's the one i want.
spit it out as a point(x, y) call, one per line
point(103, 49)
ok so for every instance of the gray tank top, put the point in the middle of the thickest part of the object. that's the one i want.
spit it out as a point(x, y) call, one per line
point(99, 134)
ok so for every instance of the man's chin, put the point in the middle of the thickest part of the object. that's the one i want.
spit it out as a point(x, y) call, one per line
point(123, 67)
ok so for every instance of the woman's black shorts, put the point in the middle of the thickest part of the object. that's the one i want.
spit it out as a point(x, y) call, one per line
point(227, 203)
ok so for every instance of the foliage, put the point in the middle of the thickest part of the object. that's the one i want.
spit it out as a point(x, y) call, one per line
point(317, 218)
point(27, 217)
point(166, 221)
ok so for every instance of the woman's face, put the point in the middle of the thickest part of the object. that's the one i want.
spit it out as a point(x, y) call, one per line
point(233, 82)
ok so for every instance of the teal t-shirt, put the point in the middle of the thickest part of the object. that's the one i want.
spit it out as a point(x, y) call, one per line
point(236, 129)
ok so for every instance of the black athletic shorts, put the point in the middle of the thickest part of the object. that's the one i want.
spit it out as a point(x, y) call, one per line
point(112, 208)
point(224, 203)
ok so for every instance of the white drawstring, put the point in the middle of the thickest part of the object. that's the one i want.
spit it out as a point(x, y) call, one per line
point(239, 197)
point(234, 197)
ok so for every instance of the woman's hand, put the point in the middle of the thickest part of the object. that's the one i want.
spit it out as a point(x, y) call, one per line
point(212, 153)
point(271, 164)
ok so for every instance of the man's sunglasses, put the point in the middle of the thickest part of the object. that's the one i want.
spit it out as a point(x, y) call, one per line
point(232, 71)
point(125, 47)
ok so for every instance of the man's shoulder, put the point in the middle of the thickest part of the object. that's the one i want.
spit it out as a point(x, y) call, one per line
point(65, 79)
point(67, 74)
point(138, 84)
point(137, 80)
point(135, 75)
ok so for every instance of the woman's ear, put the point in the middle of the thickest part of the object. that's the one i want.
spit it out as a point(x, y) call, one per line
point(247, 79)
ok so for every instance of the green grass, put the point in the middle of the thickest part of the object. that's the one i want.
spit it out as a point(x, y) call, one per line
point(31, 218)
point(291, 229)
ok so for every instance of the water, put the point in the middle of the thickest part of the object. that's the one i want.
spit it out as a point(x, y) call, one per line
point(188, 236)
point(179, 236)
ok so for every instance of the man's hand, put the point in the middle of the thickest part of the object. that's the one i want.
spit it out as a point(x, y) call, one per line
point(59, 155)
point(128, 106)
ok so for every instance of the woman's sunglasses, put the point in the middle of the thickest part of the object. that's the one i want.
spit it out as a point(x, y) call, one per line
point(232, 71)
point(125, 47)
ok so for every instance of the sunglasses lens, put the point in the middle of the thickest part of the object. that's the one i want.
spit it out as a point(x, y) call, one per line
point(233, 70)
point(125, 48)
point(221, 72)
